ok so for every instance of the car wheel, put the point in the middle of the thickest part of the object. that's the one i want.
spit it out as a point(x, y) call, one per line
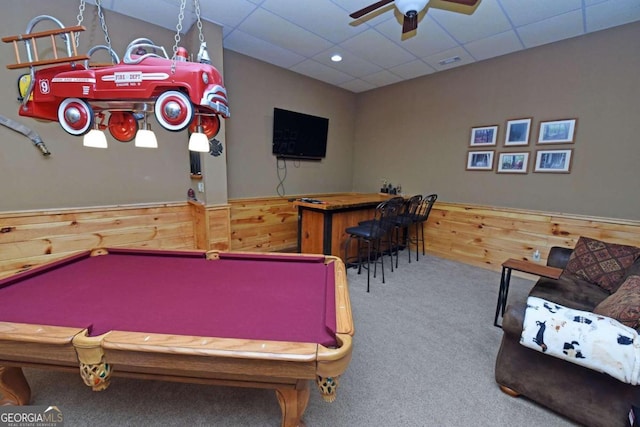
point(75, 116)
point(174, 110)
point(123, 125)
point(210, 125)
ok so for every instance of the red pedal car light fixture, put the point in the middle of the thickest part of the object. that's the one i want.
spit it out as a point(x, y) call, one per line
point(74, 93)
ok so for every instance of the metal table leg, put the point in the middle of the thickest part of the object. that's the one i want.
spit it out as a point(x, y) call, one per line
point(503, 292)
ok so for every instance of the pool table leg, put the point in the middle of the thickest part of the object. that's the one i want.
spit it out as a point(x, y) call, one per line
point(14, 389)
point(293, 402)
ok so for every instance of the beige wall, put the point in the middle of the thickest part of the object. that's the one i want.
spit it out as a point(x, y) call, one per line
point(255, 88)
point(417, 133)
point(74, 176)
point(414, 133)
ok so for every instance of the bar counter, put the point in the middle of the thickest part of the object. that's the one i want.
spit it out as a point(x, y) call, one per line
point(321, 225)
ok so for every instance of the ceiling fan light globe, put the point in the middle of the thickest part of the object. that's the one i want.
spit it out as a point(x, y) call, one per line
point(407, 6)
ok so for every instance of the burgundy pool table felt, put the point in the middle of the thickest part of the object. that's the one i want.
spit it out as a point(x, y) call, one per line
point(281, 298)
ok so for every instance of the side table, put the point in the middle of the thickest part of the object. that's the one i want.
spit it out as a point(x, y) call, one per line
point(526, 267)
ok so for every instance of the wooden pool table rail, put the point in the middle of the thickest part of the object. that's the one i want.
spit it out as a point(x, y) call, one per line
point(286, 367)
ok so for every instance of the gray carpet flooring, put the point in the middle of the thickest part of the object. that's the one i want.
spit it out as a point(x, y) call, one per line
point(424, 354)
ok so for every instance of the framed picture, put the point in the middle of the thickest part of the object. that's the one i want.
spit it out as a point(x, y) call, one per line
point(513, 162)
point(518, 132)
point(553, 161)
point(484, 136)
point(557, 131)
point(480, 160)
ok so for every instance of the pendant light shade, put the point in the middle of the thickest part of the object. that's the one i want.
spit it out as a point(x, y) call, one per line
point(145, 138)
point(95, 138)
point(198, 141)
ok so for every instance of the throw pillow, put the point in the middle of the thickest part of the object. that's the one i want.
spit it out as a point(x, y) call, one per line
point(624, 305)
point(600, 262)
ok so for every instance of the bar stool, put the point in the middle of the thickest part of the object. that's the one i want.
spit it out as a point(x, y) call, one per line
point(370, 236)
point(403, 222)
point(390, 240)
point(421, 216)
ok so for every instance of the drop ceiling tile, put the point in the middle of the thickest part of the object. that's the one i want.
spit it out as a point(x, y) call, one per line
point(357, 85)
point(500, 44)
point(107, 4)
point(219, 12)
point(374, 47)
point(552, 29)
point(319, 71)
point(382, 78)
point(429, 38)
point(487, 20)
point(527, 12)
point(350, 64)
point(326, 18)
point(251, 46)
point(612, 13)
point(163, 14)
point(278, 31)
point(412, 69)
point(287, 32)
point(433, 60)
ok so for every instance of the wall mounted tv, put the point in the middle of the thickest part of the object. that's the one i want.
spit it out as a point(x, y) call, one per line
point(298, 135)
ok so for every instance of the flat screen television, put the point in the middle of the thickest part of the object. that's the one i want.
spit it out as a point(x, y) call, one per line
point(299, 135)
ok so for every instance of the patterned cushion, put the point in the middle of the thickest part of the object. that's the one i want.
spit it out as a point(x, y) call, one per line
point(624, 304)
point(601, 263)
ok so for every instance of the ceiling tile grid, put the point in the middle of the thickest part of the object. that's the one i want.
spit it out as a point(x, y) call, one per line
point(301, 36)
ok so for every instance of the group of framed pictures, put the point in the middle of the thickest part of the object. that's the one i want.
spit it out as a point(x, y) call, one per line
point(555, 160)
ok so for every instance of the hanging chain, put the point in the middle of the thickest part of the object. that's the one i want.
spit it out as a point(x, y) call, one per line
point(103, 24)
point(196, 4)
point(183, 4)
point(80, 19)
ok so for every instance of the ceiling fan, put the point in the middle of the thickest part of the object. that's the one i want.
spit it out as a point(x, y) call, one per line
point(411, 8)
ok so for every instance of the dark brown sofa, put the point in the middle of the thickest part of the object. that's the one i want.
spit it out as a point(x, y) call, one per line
point(583, 395)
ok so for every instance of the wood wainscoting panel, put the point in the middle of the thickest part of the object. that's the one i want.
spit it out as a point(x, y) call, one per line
point(219, 227)
point(487, 236)
point(473, 234)
point(267, 224)
point(211, 226)
point(29, 238)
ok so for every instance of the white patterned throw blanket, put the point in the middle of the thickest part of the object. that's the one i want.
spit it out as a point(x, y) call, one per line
point(584, 338)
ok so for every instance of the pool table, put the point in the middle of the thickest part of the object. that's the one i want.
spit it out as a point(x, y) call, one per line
point(259, 320)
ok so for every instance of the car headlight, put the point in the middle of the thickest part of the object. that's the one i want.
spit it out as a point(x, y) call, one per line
point(205, 77)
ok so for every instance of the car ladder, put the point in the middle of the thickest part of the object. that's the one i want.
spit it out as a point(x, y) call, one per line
point(33, 58)
point(31, 47)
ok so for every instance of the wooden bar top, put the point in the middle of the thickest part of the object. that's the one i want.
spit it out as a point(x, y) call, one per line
point(344, 201)
point(532, 268)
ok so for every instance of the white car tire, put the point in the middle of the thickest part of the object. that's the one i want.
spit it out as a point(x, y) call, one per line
point(75, 116)
point(173, 110)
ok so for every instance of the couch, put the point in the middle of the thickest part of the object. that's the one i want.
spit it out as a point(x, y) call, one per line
point(583, 395)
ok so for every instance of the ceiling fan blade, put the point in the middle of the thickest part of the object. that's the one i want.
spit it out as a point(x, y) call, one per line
point(464, 2)
point(410, 23)
point(467, 7)
point(369, 9)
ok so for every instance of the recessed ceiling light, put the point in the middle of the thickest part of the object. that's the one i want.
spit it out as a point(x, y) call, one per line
point(336, 58)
